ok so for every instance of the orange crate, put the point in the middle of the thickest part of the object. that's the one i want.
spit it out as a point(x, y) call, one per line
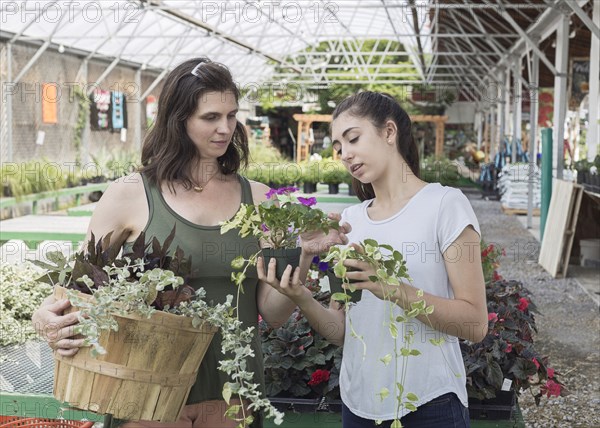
point(19, 422)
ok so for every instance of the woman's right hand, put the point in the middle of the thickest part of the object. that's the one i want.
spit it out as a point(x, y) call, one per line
point(55, 328)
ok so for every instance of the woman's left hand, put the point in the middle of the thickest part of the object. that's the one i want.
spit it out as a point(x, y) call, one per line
point(289, 285)
point(316, 242)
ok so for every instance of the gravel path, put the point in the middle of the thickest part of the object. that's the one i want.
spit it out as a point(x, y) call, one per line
point(568, 324)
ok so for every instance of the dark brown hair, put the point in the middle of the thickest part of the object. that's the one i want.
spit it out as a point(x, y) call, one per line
point(168, 154)
point(378, 108)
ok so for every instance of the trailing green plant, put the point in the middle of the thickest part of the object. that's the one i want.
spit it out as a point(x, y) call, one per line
point(146, 279)
point(390, 269)
point(83, 114)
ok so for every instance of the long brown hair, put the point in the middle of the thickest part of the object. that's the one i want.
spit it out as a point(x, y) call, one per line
point(168, 154)
point(379, 108)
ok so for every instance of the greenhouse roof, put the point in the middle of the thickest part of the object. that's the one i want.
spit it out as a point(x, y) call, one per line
point(455, 42)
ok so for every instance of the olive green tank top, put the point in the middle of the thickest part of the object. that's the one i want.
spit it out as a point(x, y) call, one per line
point(211, 255)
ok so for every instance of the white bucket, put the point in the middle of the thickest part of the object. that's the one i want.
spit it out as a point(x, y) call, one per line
point(590, 250)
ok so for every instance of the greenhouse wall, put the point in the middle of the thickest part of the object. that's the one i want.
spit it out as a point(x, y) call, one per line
point(62, 69)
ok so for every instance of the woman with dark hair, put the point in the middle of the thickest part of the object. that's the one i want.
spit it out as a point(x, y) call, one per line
point(437, 231)
point(189, 180)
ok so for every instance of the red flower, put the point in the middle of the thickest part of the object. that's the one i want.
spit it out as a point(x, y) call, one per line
point(550, 372)
point(523, 304)
point(493, 316)
point(318, 377)
point(497, 276)
point(551, 389)
point(537, 365)
point(508, 348)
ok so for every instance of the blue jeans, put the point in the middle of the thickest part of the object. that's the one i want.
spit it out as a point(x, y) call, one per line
point(445, 411)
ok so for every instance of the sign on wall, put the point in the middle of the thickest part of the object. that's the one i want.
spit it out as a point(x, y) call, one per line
point(580, 78)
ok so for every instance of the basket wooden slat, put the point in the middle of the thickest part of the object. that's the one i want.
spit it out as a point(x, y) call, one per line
point(146, 374)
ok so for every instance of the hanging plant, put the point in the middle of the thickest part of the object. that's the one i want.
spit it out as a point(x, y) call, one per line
point(83, 112)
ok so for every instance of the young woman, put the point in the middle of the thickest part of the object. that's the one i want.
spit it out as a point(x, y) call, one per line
point(436, 230)
point(189, 179)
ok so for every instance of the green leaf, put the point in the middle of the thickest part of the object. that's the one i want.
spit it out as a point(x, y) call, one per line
point(370, 242)
point(410, 406)
point(227, 392)
point(437, 342)
point(383, 394)
point(386, 359)
point(394, 330)
point(412, 397)
point(396, 424)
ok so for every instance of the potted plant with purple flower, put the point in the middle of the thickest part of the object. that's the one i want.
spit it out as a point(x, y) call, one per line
point(277, 222)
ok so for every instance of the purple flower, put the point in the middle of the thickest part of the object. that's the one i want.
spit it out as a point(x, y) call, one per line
point(315, 260)
point(286, 190)
point(264, 227)
point(309, 202)
point(271, 193)
point(323, 266)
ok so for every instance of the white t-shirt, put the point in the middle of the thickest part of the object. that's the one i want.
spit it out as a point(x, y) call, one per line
point(427, 225)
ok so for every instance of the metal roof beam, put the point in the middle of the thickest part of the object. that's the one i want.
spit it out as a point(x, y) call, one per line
point(584, 17)
point(543, 27)
point(200, 24)
point(526, 37)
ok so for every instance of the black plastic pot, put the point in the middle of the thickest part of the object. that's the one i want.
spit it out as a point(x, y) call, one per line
point(334, 188)
point(309, 187)
point(283, 256)
point(502, 407)
point(335, 284)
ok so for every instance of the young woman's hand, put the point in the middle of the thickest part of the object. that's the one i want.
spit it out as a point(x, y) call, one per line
point(360, 273)
point(290, 284)
point(55, 328)
point(316, 242)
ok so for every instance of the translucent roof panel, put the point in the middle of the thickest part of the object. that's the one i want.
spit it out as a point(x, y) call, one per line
point(445, 40)
point(248, 36)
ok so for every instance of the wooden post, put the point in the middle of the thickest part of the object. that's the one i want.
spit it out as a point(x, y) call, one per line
point(299, 140)
point(439, 138)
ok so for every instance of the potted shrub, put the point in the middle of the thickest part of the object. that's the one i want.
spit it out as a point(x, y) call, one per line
point(331, 173)
point(310, 173)
point(278, 222)
point(506, 362)
point(128, 300)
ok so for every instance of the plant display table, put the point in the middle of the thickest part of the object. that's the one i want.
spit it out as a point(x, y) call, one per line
point(34, 229)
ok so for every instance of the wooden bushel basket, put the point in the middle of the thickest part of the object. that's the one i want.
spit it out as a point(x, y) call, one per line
point(146, 374)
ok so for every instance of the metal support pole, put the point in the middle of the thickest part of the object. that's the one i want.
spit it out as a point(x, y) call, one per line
point(546, 177)
point(593, 133)
point(516, 119)
point(507, 101)
point(85, 138)
point(501, 112)
point(9, 105)
point(560, 92)
point(492, 133)
point(533, 115)
point(478, 117)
